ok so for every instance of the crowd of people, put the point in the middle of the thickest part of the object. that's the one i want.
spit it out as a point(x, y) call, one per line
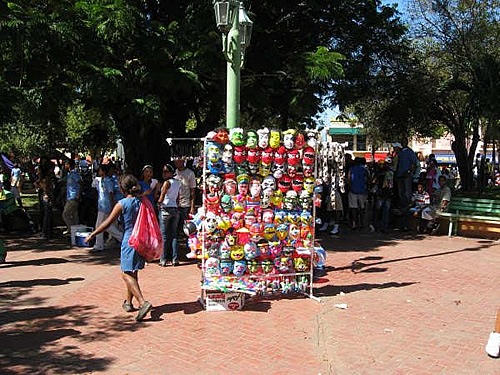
point(386, 194)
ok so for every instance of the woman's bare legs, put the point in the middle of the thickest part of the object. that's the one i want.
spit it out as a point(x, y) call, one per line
point(133, 288)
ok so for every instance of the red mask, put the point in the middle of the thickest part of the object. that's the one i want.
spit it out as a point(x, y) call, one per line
point(240, 154)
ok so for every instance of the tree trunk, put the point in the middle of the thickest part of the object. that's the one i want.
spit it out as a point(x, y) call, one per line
point(142, 145)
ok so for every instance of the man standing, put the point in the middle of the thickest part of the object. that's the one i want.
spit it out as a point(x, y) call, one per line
point(105, 203)
point(187, 191)
point(73, 181)
point(15, 183)
point(405, 168)
point(358, 191)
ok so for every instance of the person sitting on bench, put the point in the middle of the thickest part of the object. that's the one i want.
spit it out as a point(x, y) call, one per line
point(440, 200)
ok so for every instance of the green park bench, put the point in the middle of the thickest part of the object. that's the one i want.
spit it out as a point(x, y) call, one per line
point(462, 209)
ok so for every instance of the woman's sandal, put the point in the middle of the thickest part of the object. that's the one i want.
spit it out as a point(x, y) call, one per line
point(128, 307)
point(145, 308)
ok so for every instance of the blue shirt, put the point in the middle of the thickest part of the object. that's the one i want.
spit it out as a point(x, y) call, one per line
point(407, 160)
point(359, 178)
point(104, 186)
point(117, 192)
point(73, 185)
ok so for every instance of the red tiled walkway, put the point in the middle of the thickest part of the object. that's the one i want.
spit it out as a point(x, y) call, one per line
point(415, 305)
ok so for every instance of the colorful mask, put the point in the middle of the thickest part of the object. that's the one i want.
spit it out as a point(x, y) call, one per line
point(224, 251)
point(252, 139)
point(297, 183)
point(293, 157)
point(214, 153)
point(283, 264)
point(267, 265)
point(274, 139)
point(308, 156)
point(284, 184)
point(210, 222)
point(265, 202)
point(239, 154)
point(291, 170)
point(239, 268)
point(278, 171)
point(237, 252)
point(301, 264)
point(230, 185)
point(224, 221)
point(290, 200)
point(268, 185)
point(268, 216)
point(253, 266)
point(309, 184)
point(251, 250)
point(253, 155)
point(212, 267)
point(222, 136)
point(264, 170)
point(282, 231)
point(239, 203)
point(306, 217)
point(237, 220)
point(255, 187)
point(280, 155)
point(300, 140)
point(267, 155)
point(289, 139)
point(226, 267)
point(312, 138)
point(263, 137)
point(279, 217)
point(277, 199)
point(250, 219)
point(307, 170)
point(269, 231)
point(294, 232)
point(226, 203)
point(253, 168)
point(236, 137)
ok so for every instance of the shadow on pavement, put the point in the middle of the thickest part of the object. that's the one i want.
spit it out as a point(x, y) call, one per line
point(33, 262)
point(29, 339)
point(37, 282)
point(333, 290)
point(358, 266)
point(191, 307)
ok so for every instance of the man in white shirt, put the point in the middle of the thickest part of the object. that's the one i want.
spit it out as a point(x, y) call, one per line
point(187, 192)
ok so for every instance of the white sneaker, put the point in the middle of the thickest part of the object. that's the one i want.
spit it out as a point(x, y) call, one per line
point(493, 345)
point(324, 227)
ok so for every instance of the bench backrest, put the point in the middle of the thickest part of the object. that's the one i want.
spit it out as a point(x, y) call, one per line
point(479, 206)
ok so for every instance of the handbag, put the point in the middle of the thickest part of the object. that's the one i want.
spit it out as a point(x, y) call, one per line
point(146, 236)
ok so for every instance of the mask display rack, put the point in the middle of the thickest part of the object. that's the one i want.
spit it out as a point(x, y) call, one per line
point(255, 232)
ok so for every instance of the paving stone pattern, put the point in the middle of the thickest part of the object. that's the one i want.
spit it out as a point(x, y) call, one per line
point(415, 305)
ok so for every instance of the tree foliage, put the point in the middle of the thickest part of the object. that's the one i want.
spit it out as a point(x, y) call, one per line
point(155, 67)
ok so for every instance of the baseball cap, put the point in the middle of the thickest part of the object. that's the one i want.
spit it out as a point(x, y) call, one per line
point(397, 144)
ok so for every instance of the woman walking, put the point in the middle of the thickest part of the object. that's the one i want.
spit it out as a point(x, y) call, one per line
point(130, 261)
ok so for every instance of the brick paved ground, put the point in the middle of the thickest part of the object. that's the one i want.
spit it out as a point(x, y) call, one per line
point(415, 305)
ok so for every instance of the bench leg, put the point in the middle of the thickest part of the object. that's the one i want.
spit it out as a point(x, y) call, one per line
point(450, 228)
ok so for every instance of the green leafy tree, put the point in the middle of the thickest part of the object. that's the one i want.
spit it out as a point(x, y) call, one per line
point(460, 46)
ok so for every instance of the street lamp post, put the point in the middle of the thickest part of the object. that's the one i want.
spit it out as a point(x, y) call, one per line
point(236, 27)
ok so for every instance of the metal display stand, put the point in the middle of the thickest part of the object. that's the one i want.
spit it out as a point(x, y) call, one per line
point(265, 274)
